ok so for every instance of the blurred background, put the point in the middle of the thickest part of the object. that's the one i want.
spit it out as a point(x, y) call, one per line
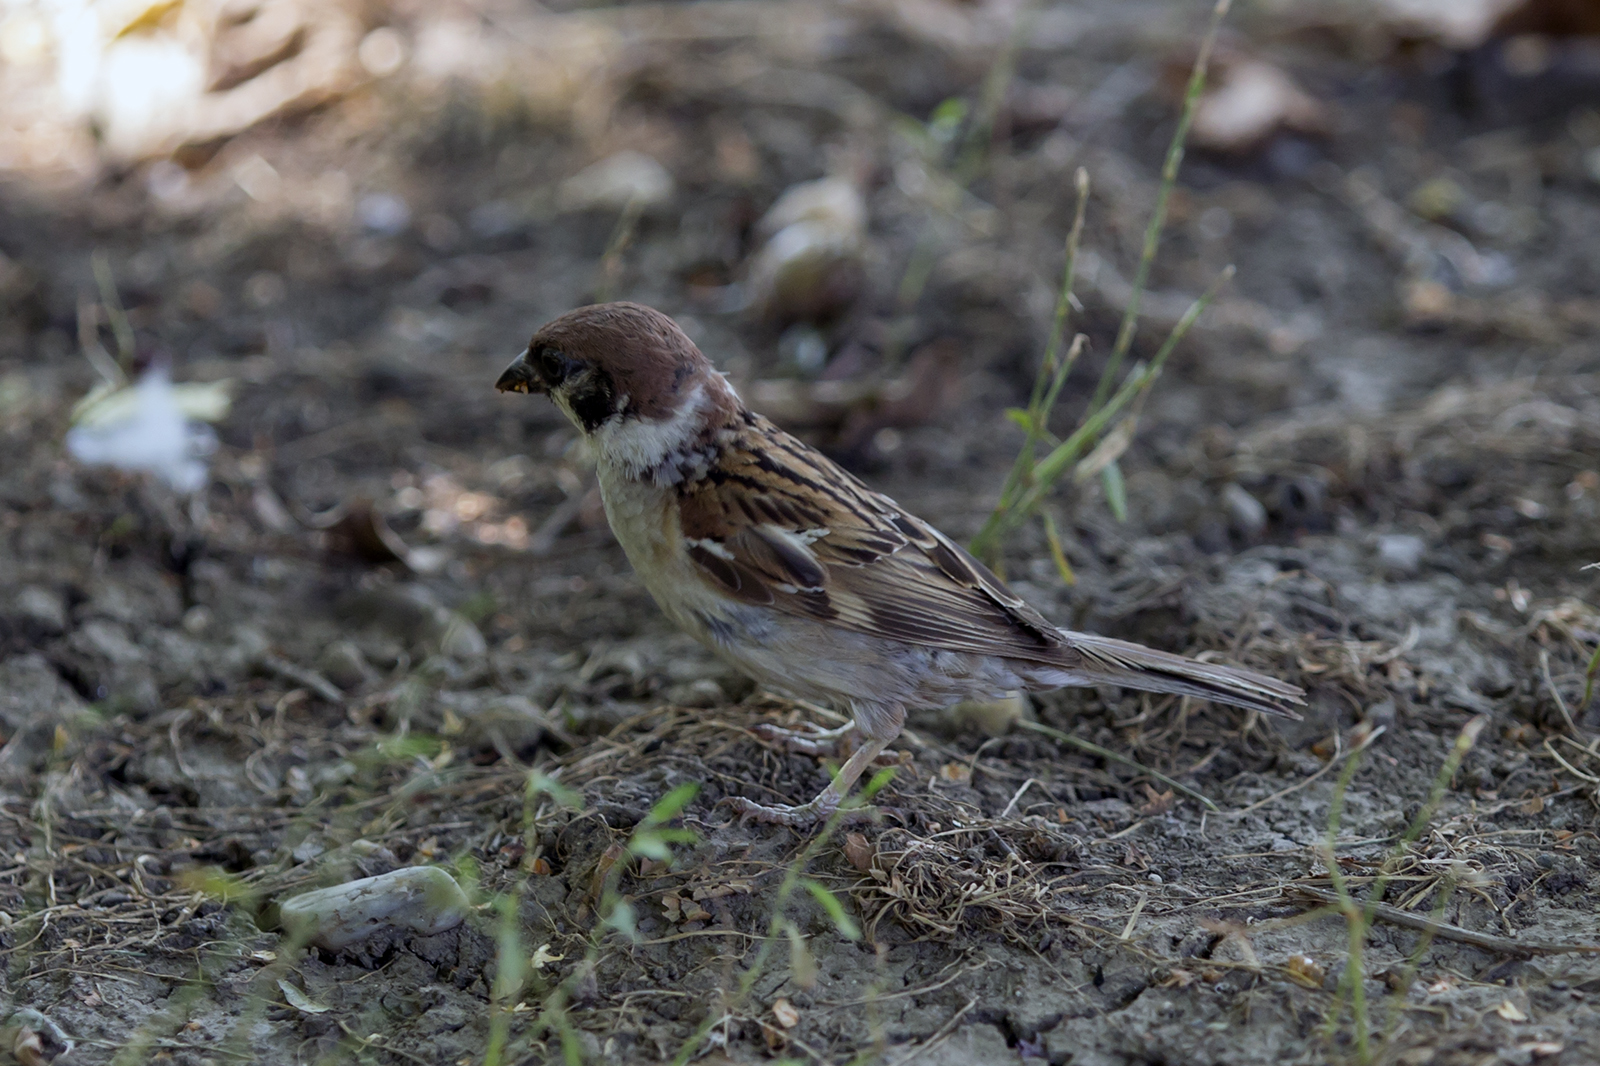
point(262, 260)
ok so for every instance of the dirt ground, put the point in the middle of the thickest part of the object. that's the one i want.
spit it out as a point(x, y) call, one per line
point(1370, 469)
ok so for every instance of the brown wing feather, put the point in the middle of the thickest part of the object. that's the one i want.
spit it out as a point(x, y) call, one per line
point(784, 526)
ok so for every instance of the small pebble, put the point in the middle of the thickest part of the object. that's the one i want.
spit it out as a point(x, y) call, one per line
point(702, 692)
point(34, 1038)
point(1401, 552)
point(342, 663)
point(43, 608)
point(628, 177)
point(1248, 514)
point(993, 717)
point(423, 899)
point(384, 213)
point(810, 266)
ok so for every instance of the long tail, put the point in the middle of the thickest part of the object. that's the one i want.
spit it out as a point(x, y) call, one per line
point(1105, 661)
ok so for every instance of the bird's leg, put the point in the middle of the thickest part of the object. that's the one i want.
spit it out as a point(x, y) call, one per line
point(821, 808)
point(808, 741)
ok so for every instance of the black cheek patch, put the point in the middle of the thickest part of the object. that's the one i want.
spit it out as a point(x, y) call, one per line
point(591, 400)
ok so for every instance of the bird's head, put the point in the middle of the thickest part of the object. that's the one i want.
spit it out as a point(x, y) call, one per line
point(627, 377)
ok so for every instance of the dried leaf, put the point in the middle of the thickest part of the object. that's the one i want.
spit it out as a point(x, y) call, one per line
point(802, 964)
point(28, 1048)
point(785, 1013)
point(602, 869)
point(1248, 101)
point(1304, 970)
point(1157, 802)
point(956, 773)
point(1177, 979)
point(1510, 1011)
point(859, 851)
point(299, 1000)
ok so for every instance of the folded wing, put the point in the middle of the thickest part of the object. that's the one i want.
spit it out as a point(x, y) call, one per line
point(785, 527)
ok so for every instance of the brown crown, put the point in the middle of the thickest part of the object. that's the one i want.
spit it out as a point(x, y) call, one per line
point(642, 351)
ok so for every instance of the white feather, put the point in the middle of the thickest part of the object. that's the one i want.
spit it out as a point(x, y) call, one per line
point(636, 446)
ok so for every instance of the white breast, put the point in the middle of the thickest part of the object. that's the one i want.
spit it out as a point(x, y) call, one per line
point(638, 445)
point(644, 518)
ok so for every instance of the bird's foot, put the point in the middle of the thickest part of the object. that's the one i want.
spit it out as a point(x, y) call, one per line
point(804, 816)
point(808, 741)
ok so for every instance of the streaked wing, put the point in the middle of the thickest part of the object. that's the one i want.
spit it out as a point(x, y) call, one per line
point(775, 523)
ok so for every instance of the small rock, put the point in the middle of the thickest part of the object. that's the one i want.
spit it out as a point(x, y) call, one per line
point(461, 639)
point(342, 663)
point(384, 213)
point(1248, 514)
point(702, 692)
point(33, 1038)
point(625, 178)
point(196, 620)
point(993, 717)
point(1401, 552)
point(424, 899)
point(1382, 713)
point(979, 1042)
point(1247, 100)
point(445, 1018)
point(35, 707)
point(810, 266)
point(41, 610)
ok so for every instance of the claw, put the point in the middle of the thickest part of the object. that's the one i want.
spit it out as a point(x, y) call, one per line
point(827, 801)
point(802, 817)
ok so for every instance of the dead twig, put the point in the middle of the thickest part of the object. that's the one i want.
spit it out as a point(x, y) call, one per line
point(303, 677)
point(1405, 919)
point(1555, 693)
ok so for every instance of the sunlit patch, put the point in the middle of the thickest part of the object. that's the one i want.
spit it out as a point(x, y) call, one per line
point(513, 532)
point(450, 510)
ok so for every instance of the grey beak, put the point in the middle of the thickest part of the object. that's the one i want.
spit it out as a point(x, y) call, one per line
point(519, 376)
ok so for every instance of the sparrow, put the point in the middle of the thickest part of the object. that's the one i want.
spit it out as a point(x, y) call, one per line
point(797, 573)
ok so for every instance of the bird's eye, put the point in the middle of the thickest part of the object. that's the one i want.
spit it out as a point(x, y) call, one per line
point(552, 366)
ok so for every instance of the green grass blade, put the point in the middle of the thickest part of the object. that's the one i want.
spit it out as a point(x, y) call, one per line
point(1158, 218)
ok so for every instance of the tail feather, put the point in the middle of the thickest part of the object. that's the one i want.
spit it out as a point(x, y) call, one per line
point(1106, 661)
